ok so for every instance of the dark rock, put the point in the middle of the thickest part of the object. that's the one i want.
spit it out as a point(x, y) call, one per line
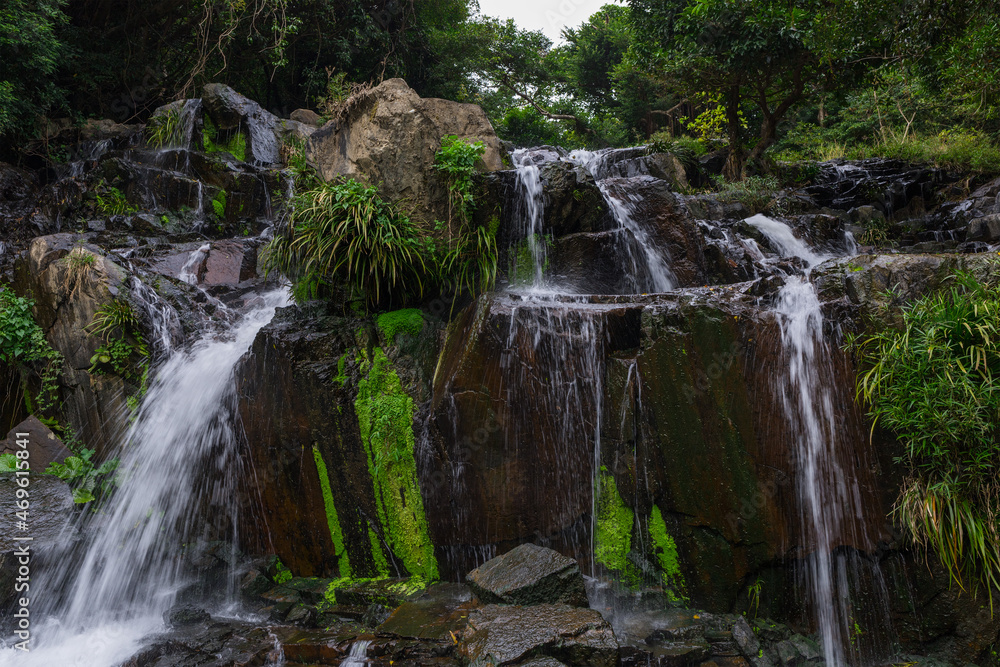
point(302, 614)
point(183, 615)
point(749, 645)
point(442, 611)
point(597, 263)
point(529, 574)
point(573, 202)
point(986, 228)
point(306, 117)
point(43, 446)
point(502, 635)
point(375, 615)
point(232, 112)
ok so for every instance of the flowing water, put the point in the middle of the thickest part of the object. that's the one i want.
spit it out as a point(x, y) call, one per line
point(358, 654)
point(177, 469)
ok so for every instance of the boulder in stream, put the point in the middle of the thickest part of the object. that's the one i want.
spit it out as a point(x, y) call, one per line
point(43, 446)
point(529, 574)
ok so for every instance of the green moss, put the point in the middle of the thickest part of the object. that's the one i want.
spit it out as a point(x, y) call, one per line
point(665, 551)
point(407, 321)
point(385, 418)
point(283, 574)
point(219, 204)
point(332, 521)
point(378, 556)
point(341, 378)
point(614, 530)
point(235, 146)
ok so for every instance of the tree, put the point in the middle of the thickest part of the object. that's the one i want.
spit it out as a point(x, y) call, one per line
point(761, 53)
point(30, 52)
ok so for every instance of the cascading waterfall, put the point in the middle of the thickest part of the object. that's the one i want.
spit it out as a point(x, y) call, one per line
point(529, 185)
point(358, 654)
point(176, 488)
point(829, 497)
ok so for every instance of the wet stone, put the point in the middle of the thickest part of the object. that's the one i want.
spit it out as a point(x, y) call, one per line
point(529, 574)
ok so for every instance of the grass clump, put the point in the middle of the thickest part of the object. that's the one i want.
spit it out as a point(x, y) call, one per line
point(164, 130)
point(936, 384)
point(756, 193)
point(113, 202)
point(124, 351)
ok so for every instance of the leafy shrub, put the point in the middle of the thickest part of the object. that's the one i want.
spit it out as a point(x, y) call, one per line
point(113, 202)
point(8, 462)
point(457, 159)
point(684, 148)
point(23, 344)
point(87, 481)
point(124, 351)
point(934, 383)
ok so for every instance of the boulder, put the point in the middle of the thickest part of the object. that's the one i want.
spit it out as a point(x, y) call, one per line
point(233, 112)
point(986, 228)
point(501, 635)
point(306, 117)
point(609, 262)
point(43, 446)
point(389, 136)
point(70, 279)
point(529, 574)
point(573, 202)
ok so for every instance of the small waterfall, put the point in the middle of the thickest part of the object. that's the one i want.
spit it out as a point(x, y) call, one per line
point(162, 318)
point(529, 187)
point(358, 654)
point(830, 503)
point(189, 272)
point(175, 489)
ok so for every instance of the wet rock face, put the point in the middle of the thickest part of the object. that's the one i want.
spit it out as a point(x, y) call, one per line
point(529, 574)
point(501, 635)
point(573, 203)
point(70, 280)
point(50, 513)
point(389, 138)
point(234, 112)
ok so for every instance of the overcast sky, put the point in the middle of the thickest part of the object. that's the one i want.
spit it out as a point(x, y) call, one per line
point(549, 16)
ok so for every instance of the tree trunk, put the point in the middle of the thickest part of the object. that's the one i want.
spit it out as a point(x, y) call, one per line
point(733, 170)
point(768, 134)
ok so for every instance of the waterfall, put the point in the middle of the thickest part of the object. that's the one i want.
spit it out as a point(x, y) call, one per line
point(829, 496)
point(532, 213)
point(358, 654)
point(176, 488)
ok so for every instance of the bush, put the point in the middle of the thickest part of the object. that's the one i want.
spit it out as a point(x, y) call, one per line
point(345, 233)
point(23, 344)
point(936, 384)
point(754, 192)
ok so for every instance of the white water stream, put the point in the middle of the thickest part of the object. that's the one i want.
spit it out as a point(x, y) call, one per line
point(177, 477)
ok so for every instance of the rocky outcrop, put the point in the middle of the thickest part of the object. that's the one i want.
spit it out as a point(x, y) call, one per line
point(69, 280)
point(389, 136)
point(529, 574)
point(573, 202)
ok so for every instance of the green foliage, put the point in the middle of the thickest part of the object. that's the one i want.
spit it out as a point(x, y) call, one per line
point(409, 321)
point(613, 540)
point(235, 143)
point(88, 482)
point(385, 418)
point(164, 130)
point(457, 159)
point(345, 233)
point(934, 384)
point(282, 574)
point(332, 519)
point(30, 51)
point(124, 351)
point(8, 462)
point(753, 595)
point(113, 202)
point(23, 345)
point(219, 204)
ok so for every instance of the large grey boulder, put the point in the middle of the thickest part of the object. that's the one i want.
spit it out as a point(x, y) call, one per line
point(70, 279)
point(529, 574)
point(501, 635)
point(389, 136)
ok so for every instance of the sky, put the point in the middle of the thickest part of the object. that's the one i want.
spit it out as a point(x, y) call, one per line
point(549, 16)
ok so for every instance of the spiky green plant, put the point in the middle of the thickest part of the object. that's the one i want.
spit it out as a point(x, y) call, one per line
point(345, 233)
point(936, 384)
point(164, 130)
